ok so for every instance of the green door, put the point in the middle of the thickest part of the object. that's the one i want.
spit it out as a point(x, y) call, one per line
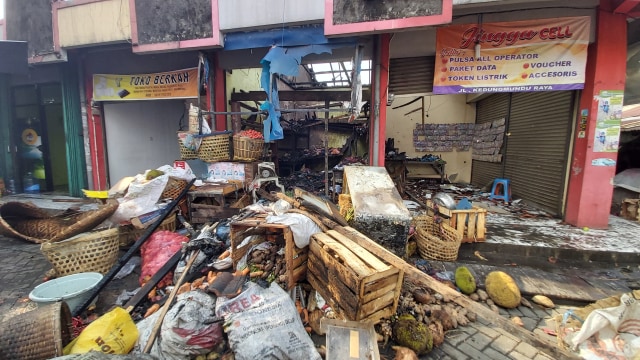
point(40, 161)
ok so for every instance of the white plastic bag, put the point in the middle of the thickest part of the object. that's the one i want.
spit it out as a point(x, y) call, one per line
point(262, 323)
point(612, 331)
point(301, 226)
point(142, 194)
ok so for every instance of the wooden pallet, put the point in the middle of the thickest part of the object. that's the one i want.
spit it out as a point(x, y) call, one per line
point(355, 282)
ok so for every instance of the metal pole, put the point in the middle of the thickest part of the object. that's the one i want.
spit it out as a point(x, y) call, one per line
point(375, 123)
point(200, 60)
point(326, 149)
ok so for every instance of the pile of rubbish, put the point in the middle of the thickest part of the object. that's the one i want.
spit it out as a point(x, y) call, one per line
point(283, 279)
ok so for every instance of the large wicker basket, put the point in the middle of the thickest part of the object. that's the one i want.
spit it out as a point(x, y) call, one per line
point(38, 334)
point(128, 234)
point(185, 152)
point(436, 241)
point(95, 251)
point(214, 148)
point(247, 149)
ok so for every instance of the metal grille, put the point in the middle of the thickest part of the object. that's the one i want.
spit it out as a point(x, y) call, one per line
point(537, 149)
point(492, 108)
point(411, 75)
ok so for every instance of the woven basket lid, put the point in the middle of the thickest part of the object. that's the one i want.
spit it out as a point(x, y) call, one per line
point(28, 222)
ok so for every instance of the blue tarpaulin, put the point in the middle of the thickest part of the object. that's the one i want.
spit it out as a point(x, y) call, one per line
point(294, 36)
point(283, 61)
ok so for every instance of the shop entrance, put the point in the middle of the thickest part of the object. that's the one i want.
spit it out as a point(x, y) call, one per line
point(40, 155)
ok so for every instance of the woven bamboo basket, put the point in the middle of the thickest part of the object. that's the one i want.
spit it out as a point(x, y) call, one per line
point(214, 148)
point(174, 188)
point(172, 191)
point(95, 251)
point(27, 221)
point(128, 234)
point(247, 149)
point(38, 334)
point(436, 241)
point(185, 152)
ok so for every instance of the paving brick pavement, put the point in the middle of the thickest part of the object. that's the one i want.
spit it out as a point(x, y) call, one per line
point(22, 267)
point(481, 340)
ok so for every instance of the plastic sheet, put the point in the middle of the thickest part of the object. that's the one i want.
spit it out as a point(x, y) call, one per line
point(160, 247)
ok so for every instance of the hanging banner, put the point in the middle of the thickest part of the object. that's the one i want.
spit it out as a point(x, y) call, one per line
point(179, 84)
point(518, 56)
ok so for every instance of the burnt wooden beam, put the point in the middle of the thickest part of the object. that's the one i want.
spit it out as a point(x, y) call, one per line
point(155, 279)
point(320, 96)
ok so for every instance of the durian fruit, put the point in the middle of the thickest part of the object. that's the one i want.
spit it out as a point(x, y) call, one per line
point(414, 335)
point(465, 280)
point(502, 289)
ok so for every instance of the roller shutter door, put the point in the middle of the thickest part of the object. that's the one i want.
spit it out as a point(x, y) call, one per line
point(487, 110)
point(412, 75)
point(537, 150)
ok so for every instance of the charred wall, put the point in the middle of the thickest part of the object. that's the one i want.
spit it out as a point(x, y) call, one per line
point(161, 21)
point(355, 11)
point(31, 21)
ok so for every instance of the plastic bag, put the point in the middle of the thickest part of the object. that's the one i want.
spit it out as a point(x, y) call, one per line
point(112, 333)
point(128, 267)
point(301, 226)
point(156, 252)
point(609, 332)
point(262, 323)
point(188, 329)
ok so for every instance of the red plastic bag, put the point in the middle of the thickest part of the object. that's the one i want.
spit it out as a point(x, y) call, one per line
point(156, 251)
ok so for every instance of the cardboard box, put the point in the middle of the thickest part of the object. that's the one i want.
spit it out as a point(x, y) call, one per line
point(244, 172)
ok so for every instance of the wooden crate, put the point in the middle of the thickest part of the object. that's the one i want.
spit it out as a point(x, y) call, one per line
point(355, 282)
point(629, 209)
point(470, 223)
point(208, 203)
point(295, 257)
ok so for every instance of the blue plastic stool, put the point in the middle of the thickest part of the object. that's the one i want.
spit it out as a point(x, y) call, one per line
point(501, 190)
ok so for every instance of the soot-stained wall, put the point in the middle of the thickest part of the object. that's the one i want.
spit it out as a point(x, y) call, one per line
point(161, 21)
point(31, 21)
point(355, 11)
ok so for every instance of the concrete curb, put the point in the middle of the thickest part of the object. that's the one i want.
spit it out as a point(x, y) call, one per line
point(534, 255)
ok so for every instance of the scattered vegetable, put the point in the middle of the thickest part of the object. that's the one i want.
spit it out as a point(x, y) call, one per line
point(153, 308)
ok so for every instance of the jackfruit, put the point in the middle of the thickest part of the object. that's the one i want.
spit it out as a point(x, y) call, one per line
point(152, 174)
point(413, 335)
point(502, 289)
point(465, 280)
